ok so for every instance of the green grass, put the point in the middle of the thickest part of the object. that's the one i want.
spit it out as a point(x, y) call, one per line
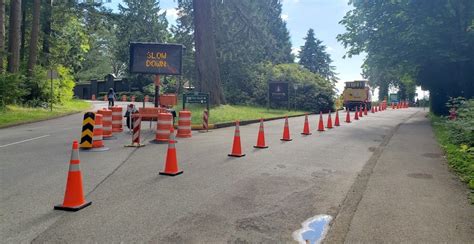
point(14, 114)
point(460, 157)
point(230, 113)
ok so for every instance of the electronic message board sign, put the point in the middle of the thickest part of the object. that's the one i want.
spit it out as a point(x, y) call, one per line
point(156, 58)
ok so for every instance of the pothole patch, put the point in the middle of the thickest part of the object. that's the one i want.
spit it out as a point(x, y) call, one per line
point(432, 155)
point(420, 176)
point(314, 230)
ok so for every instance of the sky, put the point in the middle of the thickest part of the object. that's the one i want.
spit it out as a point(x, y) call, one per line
point(300, 15)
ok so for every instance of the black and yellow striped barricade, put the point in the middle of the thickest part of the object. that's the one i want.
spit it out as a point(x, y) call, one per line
point(87, 130)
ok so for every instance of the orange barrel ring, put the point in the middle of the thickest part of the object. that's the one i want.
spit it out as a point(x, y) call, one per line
point(184, 124)
point(97, 139)
point(106, 122)
point(163, 127)
point(117, 119)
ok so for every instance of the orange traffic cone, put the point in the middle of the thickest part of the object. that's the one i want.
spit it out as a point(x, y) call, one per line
point(365, 110)
point(361, 112)
point(356, 116)
point(74, 196)
point(329, 124)
point(261, 137)
point(306, 126)
point(336, 120)
point(286, 131)
point(393, 106)
point(321, 123)
point(372, 109)
point(236, 147)
point(375, 109)
point(171, 164)
point(348, 116)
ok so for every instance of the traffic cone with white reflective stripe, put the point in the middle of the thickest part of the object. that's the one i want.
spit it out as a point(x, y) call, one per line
point(74, 199)
point(236, 147)
point(348, 116)
point(356, 116)
point(171, 163)
point(336, 120)
point(321, 123)
point(261, 137)
point(329, 124)
point(306, 126)
point(286, 131)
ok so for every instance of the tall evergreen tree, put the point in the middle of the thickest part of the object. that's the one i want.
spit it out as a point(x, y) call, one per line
point(314, 57)
point(140, 21)
point(33, 47)
point(2, 33)
point(14, 36)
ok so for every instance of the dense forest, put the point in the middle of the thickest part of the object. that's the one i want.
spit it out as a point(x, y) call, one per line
point(233, 48)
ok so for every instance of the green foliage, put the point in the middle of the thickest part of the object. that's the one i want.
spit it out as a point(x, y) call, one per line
point(313, 93)
point(461, 130)
point(12, 89)
point(314, 57)
point(39, 87)
point(457, 139)
point(430, 42)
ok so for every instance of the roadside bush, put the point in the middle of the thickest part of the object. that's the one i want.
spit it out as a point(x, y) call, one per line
point(313, 93)
point(12, 89)
point(461, 130)
point(39, 86)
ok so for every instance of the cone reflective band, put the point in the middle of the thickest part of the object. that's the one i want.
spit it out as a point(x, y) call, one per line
point(286, 131)
point(106, 122)
point(205, 120)
point(163, 127)
point(329, 124)
point(356, 114)
point(261, 137)
point(348, 116)
point(365, 110)
point(184, 124)
point(87, 130)
point(236, 145)
point(306, 126)
point(336, 120)
point(171, 163)
point(117, 119)
point(74, 199)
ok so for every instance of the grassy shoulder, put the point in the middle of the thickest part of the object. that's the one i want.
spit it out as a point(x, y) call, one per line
point(230, 113)
point(13, 114)
point(459, 157)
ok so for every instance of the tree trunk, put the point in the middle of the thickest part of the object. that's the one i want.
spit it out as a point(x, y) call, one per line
point(33, 52)
point(2, 33)
point(206, 60)
point(14, 36)
point(23, 30)
point(48, 12)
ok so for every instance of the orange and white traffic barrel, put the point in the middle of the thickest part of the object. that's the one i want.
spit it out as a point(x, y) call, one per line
point(107, 123)
point(97, 138)
point(184, 124)
point(93, 97)
point(163, 127)
point(117, 119)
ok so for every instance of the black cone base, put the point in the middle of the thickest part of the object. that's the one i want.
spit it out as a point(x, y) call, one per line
point(72, 209)
point(236, 155)
point(171, 174)
point(286, 139)
point(306, 134)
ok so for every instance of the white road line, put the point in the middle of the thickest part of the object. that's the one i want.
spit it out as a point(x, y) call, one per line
point(18, 142)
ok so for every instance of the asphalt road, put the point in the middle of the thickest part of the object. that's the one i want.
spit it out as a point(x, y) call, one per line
point(262, 197)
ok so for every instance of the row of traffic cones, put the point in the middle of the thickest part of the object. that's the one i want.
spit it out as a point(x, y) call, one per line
point(74, 198)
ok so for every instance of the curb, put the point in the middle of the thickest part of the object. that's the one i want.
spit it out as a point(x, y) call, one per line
point(39, 120)
point(244, 122)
